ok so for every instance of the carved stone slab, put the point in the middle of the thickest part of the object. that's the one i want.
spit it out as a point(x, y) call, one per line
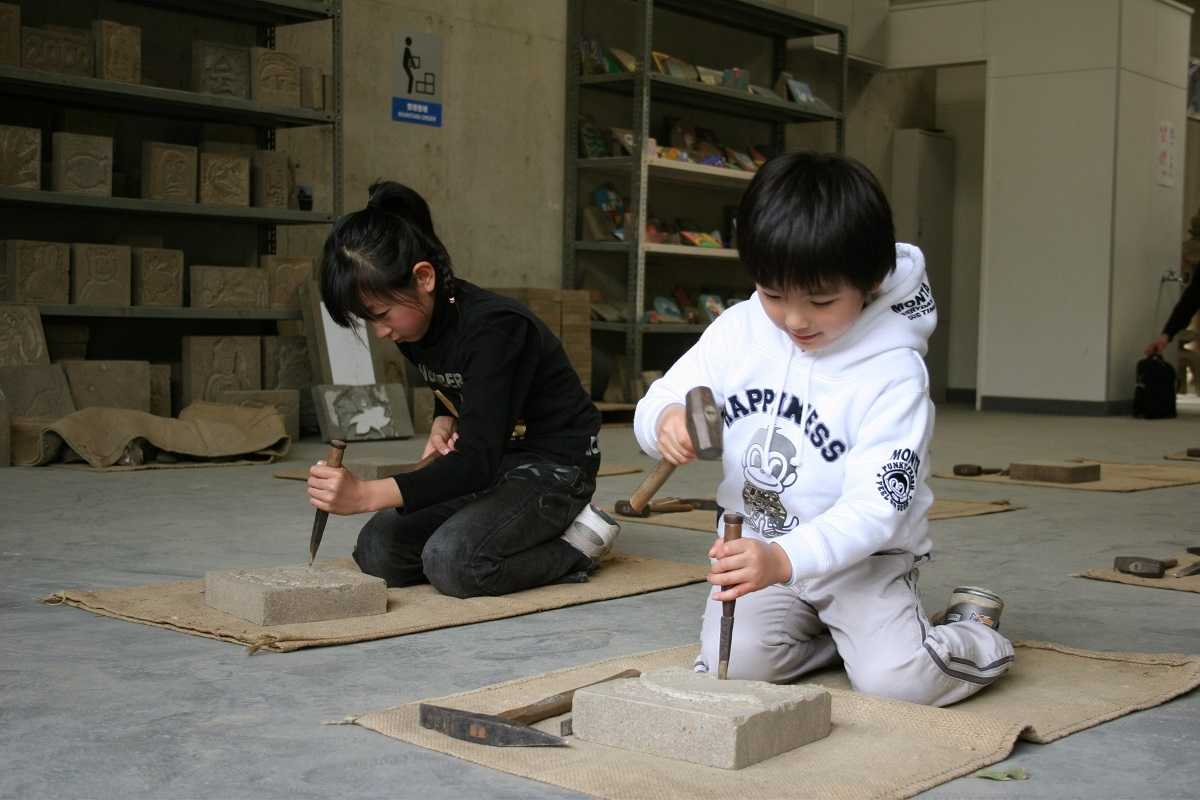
point(169, 172)
point(101, 274)
point(215, 364)
point(286, 401)
point(82, 164)
point(286, 366)
point(228, 287)
point(20, 157)
point(109, 384)
point(362, 413)
point(157, 277)
point(118, 51)
point(312, 89)
point(35, 272)
point(160, 390)
point(221, 69)
point(224, 180)
point(272, 179)
point(285, 275)
point(36, 391)
point(58, 50)
point(10, 34)
point(22, 340)
point(275, 78)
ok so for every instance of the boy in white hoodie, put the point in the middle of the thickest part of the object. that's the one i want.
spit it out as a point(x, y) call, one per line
point(827, 426)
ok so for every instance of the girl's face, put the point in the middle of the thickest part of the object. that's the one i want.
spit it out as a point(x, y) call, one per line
point(813, 321)
point(405, 318)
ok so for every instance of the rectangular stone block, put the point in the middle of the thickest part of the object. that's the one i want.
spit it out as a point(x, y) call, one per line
point(169, 172)
point(38, 391)
point(118, 51)
point(5, 432)
point(109, 384)
point(101, 274)
point(1054, 471)
point(20, 157)
point(67, 340)
point(287, 595)
point(312, 88)
point(82, 164)
point(422, 409)
point(221, 69)
point(157, 277)
point(215, 364)
point(272, 179)
point(285, 363)
point(286, 401)
point(274, 78)
point(35, 272)
point(224, 180)
point(285, 276)
point(160, 390)
point(228, 287)
point(22, 339)
point(65, 50)
point(10, 35)
point(689, 716)
point(362, 413)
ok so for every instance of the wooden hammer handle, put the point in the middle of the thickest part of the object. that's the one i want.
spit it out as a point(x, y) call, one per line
point(654, 481)
point(336, 449)
point(556, 704)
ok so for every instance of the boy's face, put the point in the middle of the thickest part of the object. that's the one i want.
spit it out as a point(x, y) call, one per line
point(813, 320)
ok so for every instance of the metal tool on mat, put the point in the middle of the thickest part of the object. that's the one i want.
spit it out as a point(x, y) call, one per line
point(510, 728)
point(975, 470)
point(1142, 567)
point(733, 532)
point(337, 448)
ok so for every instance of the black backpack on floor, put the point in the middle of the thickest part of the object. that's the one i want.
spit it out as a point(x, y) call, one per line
point(1154, 397)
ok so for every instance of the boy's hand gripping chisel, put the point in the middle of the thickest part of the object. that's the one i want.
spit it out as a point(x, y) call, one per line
point(336, 449)
point(733, 532)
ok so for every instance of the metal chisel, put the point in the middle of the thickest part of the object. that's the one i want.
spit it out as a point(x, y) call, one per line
point(337, 449)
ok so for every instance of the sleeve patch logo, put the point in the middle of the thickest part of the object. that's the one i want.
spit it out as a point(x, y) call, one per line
point(897, 478)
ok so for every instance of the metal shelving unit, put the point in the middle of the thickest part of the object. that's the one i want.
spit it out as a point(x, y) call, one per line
point(132, 205)
point(646, 89)
point(165, 312)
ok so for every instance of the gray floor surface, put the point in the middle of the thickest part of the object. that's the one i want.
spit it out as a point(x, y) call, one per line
point(92, 707)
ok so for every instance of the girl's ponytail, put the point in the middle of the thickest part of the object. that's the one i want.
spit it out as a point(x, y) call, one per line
point(404, 204)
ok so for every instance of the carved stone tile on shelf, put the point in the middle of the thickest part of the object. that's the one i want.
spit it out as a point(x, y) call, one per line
point(100, 275)
point(228, 287)
point(169, 172)
point(10, 34)
point(221, 69)
point(20, 157)
point(63, 50)
point(275, 78)
point(285, 363)
point(118, 51)
point(38, 391)
point(22, 339)
point(286, 401)
point(312, 88)
point(362, 413)
point(160, 390)
point(82, 164)
point(215, 364)
point(109, 384)
point(157, 277)
point(35, 272)
point(272, 179)
point(224, 180)
point(285, 276)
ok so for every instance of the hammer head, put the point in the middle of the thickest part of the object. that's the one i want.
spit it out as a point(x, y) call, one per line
point(704, 423)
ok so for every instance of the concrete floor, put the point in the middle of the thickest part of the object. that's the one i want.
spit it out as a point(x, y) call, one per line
point(94, 707)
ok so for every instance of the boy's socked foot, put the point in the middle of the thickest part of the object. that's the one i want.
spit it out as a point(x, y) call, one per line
point(971, 604)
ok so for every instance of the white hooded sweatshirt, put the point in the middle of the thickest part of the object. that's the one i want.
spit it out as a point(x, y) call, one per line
point(825, 452)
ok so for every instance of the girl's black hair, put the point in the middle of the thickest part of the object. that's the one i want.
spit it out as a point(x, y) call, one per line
point(371, 253)
point(812, 221)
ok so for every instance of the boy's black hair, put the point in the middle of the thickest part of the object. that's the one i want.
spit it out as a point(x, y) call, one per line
point(371, 253)
point(813, 221)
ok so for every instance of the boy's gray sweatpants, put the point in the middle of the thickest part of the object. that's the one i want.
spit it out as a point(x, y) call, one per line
point(869, 614)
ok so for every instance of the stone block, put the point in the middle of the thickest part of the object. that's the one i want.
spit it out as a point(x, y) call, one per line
point(1054, 471)
point(39, 391)
point(285, 276)
point(82, 164)
point(285, 363)
point(272, 178)
point(286, 401)
point(65, 50)
point(680, 714)
point(20, 157)
point(274, 78)
point(109, 384)
point(157, 277)
point(160, 390)
point(362, 413)
point(5, 432)
point(35, 272)
point(22, 339)
point(224, 180)
point(221, 69)
point(422, 409)
point(101, 274)
point(215, 364)
point(228, 287)
point(169, 172)
point(10, 35)
point(67, 340)
point(312, 88)
point(288, 595)
point(118, 51)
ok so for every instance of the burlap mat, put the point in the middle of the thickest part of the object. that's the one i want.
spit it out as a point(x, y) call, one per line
point(705, 521)
point(1113, 478)
point(179, 606)
point(212, 432)
point(1188, 584)
point(606, 471)
point(878, 748)
point(1180, 456)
